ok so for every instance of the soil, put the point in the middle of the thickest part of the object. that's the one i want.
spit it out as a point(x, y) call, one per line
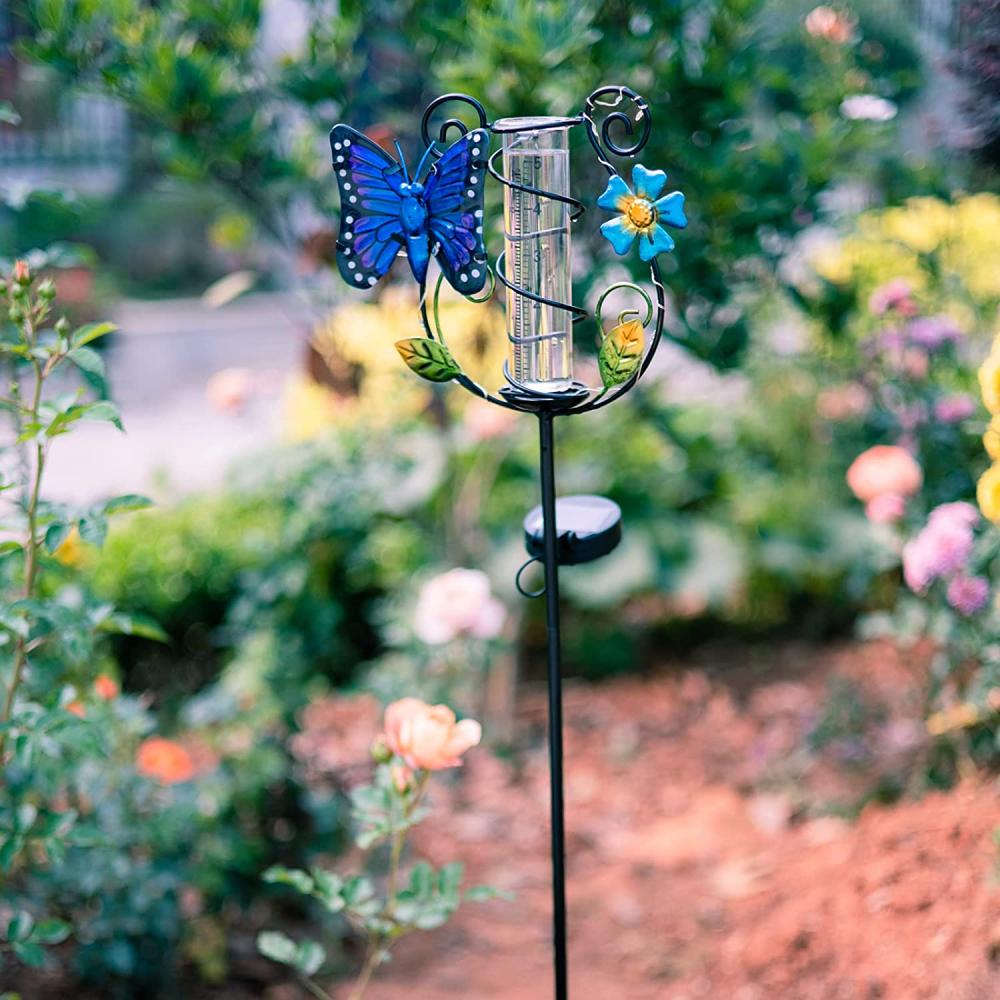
point(711, 851)
point(729, 837)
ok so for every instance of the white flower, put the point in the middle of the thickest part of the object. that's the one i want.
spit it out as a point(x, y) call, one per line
point(456, 603)
point(868, 108)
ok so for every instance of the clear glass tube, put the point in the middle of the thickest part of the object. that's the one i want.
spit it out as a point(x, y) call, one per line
point(537, 246)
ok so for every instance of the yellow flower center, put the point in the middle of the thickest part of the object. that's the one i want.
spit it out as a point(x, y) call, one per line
point(640, 213)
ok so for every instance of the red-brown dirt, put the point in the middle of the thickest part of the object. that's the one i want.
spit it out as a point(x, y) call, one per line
point(700, 862)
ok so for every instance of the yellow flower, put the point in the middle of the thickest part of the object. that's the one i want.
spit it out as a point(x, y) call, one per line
point(949, 719)
point(989, 381)
point(991, 439)
point(70, 551)
point(988, 492)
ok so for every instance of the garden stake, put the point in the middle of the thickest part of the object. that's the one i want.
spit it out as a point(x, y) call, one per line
point(437, 212)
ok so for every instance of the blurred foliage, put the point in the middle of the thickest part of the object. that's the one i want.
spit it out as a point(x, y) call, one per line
point(746, 103)
point(975, 58)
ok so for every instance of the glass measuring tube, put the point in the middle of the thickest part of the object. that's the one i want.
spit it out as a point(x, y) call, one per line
point(537, 252)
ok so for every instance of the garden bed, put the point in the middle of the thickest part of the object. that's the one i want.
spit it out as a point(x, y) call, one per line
point(713, 846)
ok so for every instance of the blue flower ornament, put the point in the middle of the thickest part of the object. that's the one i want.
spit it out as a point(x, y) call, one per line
point(641, 212)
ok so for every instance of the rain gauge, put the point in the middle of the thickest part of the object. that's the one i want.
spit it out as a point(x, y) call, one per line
point(537, 258)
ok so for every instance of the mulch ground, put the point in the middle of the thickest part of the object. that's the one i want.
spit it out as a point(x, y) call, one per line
point(705, 854)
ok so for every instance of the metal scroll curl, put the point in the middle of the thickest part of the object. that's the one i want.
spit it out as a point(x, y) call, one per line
point(611, 102)
point(450, 123)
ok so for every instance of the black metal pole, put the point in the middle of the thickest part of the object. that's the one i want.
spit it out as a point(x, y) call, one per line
point(551, 562)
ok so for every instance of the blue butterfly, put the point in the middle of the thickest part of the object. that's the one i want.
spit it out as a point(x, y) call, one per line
point(383, 211)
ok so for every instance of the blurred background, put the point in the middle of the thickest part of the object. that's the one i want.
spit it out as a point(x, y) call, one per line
point(760, 703)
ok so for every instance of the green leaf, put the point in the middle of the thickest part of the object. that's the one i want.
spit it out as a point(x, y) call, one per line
point(93, 529)
point(8, 116)
point(20, 926)
point(449, 879)
point(309, 956)
point(6, 548)
point(277, 946)
point(621, 353)
point(328, 889)
point(90, 332)
point(119, 623)
point(430, 359)
point(294, 877)
point(88, 360)
point(127, 502)
point(55, 535)
point(30, 953)
point(50, 931)
point(104, 410)
point(484, 893)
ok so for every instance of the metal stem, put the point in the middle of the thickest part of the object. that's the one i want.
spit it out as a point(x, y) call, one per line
point(551, 562)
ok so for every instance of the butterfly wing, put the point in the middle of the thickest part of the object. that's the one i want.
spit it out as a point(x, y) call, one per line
point(453, 193)
point(371, 230)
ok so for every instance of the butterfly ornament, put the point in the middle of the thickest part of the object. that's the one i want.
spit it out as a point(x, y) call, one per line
point(438, 212)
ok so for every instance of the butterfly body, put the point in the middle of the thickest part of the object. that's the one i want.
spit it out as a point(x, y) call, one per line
point(384, 211)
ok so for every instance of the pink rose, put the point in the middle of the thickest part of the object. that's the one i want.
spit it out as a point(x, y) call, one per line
point(958, 512)
point(943, 546)
point(427, 737)
point(955, 408)
point(456, 603)
point(886, 508)
point(896, 294)
point(968, 594)
point(884, 469)
point(485, 421)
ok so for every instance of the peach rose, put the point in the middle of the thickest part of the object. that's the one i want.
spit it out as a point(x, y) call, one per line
point(230, 390)
point(76, 708)
point(106, 687)
point(427, 737)
point(884, 469)
point(832, 25)
point(166, 761)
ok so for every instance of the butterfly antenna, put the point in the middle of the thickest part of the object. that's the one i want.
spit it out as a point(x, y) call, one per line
point(423, 160)
point(402, 160)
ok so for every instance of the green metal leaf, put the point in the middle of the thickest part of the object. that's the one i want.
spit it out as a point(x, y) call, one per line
point(621, 353)
point(428, 358)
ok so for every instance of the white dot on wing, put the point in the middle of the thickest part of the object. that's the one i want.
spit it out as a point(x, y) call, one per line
point(350, 218)
point(337, 145)
point(353, 199)
point(347, 142)
point(475, 272)
point(372, 279)
point(357, 277)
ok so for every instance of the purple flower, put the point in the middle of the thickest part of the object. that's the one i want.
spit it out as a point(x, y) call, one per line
point(955, 408)
point(968, 594)
point(942, 548)
point(933, 332)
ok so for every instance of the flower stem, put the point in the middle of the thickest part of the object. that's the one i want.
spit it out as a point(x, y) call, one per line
point(31, 545)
